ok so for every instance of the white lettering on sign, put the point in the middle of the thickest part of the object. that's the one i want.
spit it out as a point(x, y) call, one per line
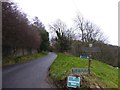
point(73, 81)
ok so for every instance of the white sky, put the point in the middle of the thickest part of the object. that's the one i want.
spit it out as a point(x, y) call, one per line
point(103, 13)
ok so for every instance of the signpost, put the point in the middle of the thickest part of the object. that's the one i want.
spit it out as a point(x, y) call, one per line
point(90, 49)
point(80, 71)
point(73, 82)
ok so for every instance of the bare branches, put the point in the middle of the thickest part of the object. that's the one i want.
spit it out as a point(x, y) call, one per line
point(89, 32)
point(58, 26)
point(64, 35)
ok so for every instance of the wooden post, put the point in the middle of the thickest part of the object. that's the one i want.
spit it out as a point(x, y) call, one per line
point(89, 64)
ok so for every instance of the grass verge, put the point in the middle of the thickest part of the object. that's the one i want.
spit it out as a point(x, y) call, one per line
point(102, 74)
point(21, 59)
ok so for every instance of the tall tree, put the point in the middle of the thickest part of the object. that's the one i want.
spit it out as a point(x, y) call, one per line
point(89, 32)
point(16, 29)
point(44, 46)
point(64, 35)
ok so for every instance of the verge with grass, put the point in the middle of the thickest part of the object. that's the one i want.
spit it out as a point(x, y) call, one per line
point(21, 59)
point(102, 75)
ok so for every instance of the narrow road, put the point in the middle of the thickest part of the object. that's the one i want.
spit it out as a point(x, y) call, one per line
point(32, 74)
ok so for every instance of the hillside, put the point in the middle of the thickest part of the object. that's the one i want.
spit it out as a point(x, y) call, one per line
point(102, 75)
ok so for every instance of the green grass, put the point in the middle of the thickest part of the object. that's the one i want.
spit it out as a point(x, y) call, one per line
point(21, 59)
point(103, 74)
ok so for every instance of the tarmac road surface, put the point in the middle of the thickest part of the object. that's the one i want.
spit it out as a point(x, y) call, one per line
point(32, 74)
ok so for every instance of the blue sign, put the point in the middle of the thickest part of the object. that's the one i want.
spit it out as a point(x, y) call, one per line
point(84, 56)
point(73, 82)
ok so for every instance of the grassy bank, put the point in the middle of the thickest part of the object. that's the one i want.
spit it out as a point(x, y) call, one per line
point(102, 75)
point(21, 59)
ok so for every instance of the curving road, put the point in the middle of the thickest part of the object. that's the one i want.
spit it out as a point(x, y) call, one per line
point(32, 74)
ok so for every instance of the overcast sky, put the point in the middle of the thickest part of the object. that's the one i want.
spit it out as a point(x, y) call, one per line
point(103, 13)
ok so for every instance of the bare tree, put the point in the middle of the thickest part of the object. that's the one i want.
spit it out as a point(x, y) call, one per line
point(79, 21)
point(64, 35)
point(58, 27)
point(89, 32)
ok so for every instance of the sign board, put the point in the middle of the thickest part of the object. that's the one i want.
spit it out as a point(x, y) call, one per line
point(80, 70)
point(84, 56)
point(73, 81)
point(90, 49)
